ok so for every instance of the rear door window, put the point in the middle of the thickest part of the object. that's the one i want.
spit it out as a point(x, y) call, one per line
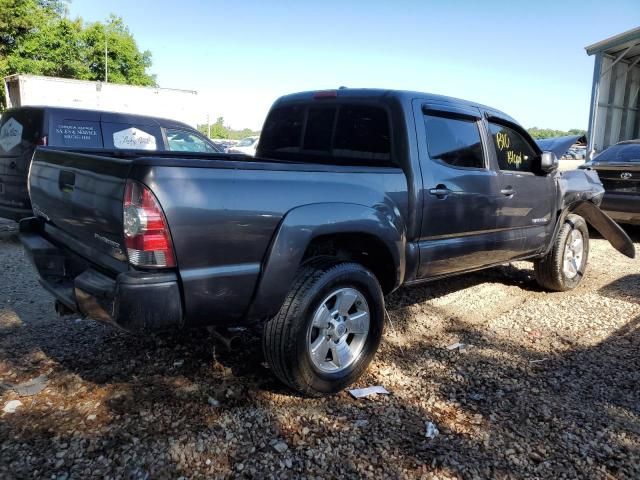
point(67, 132)
point(184, 141)
point(513, 151)
point(126, 136)
point(454, 141)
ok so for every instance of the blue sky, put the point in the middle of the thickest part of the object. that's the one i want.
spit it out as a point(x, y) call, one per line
point(526, 58)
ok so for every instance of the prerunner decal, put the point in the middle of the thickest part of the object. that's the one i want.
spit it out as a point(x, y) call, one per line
point(10, 134)
point(134, 139)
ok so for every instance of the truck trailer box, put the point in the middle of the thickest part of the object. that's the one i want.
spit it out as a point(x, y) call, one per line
point(25, 90)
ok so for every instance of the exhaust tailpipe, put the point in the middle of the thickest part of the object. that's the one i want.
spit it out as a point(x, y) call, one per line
point(231, 341)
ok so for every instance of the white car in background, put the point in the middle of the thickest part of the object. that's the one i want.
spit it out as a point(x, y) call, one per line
point(246, 146)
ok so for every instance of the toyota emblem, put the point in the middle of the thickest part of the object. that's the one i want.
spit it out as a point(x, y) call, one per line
point(625, 175)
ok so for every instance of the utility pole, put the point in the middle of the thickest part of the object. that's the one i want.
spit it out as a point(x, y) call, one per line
point(208, 127)
point(106, 57)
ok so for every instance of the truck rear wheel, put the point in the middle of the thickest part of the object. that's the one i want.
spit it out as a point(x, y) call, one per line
point(328, 329)
point(564, 266)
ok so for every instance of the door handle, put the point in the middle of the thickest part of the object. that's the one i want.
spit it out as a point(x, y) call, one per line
point(508, 192)
point(66, 181)
point(440, 191)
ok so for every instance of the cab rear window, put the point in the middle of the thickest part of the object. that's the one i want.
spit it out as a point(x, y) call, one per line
point(340, 134)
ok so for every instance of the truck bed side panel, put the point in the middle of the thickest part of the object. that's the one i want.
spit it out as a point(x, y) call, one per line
point(223, 219)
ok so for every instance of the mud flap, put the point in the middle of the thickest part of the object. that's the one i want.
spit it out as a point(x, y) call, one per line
point(607, 227)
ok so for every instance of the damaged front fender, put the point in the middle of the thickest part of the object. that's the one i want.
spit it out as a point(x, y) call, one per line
point(581, 192)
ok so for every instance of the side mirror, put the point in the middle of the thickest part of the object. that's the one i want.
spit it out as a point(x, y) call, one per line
point(548, 162)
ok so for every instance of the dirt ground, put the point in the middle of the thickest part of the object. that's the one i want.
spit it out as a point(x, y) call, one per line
point(548, 388)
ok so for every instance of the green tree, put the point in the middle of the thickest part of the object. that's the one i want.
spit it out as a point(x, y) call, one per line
point(126, 63)
point(219, 130)
point(36, 37)
point(539, 133)
point(52, 50)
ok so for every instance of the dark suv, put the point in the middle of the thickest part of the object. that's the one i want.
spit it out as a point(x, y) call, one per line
point(24, 128)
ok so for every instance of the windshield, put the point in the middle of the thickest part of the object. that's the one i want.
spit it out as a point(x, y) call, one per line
point(246, 142)
point(621, 153)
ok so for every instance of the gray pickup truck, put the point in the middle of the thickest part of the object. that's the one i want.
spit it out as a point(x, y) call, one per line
point(352, 193)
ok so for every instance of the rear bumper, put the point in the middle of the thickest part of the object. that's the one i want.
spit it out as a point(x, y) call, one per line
point(622, 208)
point(134, 301)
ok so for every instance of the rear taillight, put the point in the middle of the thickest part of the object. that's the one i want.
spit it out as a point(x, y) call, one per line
point(146, 232)
point(42, 142)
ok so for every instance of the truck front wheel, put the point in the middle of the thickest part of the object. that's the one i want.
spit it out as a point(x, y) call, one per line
point(328, 329)
point(564, 266)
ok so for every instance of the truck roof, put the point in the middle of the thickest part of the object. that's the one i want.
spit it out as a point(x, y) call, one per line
point(105, 116)
point(402, 95)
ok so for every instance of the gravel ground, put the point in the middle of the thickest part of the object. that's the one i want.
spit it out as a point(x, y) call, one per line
point(548, 389)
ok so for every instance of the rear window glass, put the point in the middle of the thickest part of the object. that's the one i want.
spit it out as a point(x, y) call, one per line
point(363, 132)
point(454, 141)
point(75, 133)
point(283, 129)
point(20, 130)
point(347, 134)
point(317, 135)
point(629, 152)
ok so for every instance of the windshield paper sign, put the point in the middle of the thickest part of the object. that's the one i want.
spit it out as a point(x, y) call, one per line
point(134, 139)
point(10, 134)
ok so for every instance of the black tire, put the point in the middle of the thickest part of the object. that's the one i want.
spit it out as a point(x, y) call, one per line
point(285, 339)
point(549, 269)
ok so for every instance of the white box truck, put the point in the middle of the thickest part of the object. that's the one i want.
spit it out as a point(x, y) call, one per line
point(182, 105)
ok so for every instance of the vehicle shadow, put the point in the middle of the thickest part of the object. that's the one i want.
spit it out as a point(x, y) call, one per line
point(508, 275)
point(626, 288)
point(481, 412)
point(574, 411)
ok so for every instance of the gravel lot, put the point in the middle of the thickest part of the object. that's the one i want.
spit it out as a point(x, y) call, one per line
point(549, 389)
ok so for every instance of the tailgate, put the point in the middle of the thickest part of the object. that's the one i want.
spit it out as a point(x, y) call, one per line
point(80, 197)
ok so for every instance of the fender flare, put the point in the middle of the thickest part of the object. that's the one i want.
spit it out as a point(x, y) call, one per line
point(606, 226)
point(301, 226)
point(603, 223)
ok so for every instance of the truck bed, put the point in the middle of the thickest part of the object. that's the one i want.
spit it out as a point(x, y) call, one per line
point(221, 234)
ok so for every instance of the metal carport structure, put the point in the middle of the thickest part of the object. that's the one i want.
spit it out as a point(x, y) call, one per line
point(615, 106)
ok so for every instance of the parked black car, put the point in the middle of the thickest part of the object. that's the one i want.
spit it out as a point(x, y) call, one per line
point(353, 193)
point(24, 128)
point(619, 169)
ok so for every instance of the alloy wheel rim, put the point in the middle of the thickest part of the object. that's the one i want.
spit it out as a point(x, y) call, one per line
point(338, 331)
point(573, 254)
